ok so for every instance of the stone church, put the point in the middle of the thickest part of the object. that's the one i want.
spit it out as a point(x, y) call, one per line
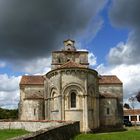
point(72, 91)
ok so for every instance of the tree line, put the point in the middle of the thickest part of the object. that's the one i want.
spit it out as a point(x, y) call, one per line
point(8, 113)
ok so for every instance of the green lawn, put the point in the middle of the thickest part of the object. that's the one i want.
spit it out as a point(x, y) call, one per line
point(125, 135)
point(10, 133)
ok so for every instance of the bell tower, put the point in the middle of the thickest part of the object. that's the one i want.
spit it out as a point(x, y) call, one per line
point(69, 53)
point(69, 45)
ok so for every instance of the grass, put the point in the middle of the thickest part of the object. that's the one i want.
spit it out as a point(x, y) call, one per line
point(125, 135)
point(10, 133)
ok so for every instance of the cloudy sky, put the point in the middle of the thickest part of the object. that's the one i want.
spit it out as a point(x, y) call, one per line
point(30, 30)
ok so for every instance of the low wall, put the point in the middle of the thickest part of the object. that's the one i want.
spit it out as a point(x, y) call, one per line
point(31, 126)
point(61, 132)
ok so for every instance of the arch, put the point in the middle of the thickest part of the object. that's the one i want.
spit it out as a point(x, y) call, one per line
point(68, 60)
point(53, 90)
point(91, 90)
point(73, 86)
point(73, 96)
point(54, 99)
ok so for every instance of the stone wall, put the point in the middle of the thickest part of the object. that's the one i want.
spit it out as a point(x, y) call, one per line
point(82, 82)
point(93, 101)
point(32, 109)
point(61, 57)
point(31, 105)
point(61, 132)
point(110, 117)
point(117, 90)
point(31, 126)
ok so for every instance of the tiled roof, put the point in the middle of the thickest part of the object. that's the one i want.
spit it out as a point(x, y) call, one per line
point(107, 95)
point(72, 64)
point(131, 112)
point(109, 79)
point(32, 80)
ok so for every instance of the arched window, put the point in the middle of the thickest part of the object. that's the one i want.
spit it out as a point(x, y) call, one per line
point(55, 101)
point(68, 60)
point(73, 100)
point(59, 60)
point(108, 111)
point(34, 111)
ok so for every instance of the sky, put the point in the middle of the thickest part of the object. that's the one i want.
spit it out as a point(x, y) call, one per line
point(31, 30)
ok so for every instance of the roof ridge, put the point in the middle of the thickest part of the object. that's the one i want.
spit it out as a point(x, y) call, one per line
point(108, 75)
point(31, 75)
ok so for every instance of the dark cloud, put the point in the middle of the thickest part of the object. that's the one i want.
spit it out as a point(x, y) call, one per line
point(32, 29)
point(125, 14)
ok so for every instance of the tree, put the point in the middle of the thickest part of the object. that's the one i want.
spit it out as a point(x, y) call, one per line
point(8, 114)
point(138, 96)
point(126, 106)
point(133, 100)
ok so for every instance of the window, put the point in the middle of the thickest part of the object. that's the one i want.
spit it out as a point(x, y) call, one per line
point(34, 111)
point(55, 101)
point(133, 118)
point(68, 60)
point(73, 100)
point(108, 111)
point(59, 60)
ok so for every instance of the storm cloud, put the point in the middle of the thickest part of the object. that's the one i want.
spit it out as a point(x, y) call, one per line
point(125, 14)
point(32, 29)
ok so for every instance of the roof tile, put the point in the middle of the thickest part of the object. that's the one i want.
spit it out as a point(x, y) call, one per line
point(32, 80)
point(109, 79)
point(131, 112)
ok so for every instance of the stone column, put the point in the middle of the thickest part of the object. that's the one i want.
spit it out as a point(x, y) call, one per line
point(137, 118)
point(47, 108)
point(85, 115)
point(85, 109)
point(60, 107)
point(129, 117)
point(63, 108)
point(62, 99)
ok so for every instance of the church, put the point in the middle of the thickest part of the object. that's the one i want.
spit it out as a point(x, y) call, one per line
point(72, 91)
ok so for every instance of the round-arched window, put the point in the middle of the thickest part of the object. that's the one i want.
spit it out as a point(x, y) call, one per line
point(73, 100)
point(55, 101)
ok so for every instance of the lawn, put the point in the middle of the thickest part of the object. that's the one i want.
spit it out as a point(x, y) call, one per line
point(125, 135)
point(10, 133)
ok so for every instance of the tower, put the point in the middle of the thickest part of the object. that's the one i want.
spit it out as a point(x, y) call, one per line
point(69, 53)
